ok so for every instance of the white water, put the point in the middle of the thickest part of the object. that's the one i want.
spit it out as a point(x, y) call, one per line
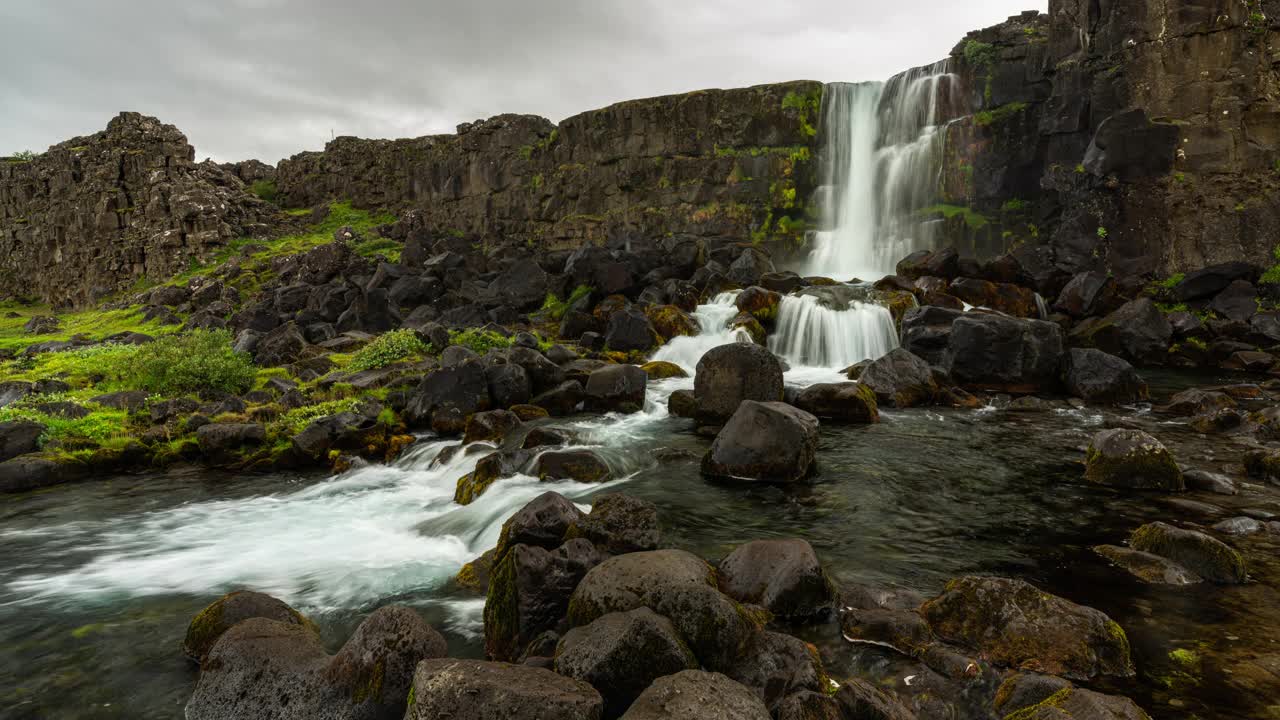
point(810, 334)
point(713, 318)
point(881, 166)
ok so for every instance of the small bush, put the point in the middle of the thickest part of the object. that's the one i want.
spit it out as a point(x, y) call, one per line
point(979, 54)
point(297, 420)
point(386, 349)
point(23, 156)
point(265, 189)
point(196, 361)
point(555, 308)
point(480, 341)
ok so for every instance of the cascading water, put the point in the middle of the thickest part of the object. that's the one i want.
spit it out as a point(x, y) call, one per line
point(881, 166)
point(811, 334)
point(713, 319)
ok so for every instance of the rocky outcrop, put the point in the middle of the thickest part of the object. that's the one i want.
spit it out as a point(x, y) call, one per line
point(95, 214)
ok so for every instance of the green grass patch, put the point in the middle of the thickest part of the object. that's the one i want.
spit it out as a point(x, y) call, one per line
point(480, 341)
point(386, 349)
point(998, 115)
point(266, 190)
point(93, 324)
point(297, 420)
point(101, 427)
point(979, 54)
point(974, 220)
point(555, 308)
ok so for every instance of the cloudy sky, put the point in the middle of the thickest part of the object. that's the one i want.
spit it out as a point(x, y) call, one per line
point(268, 78)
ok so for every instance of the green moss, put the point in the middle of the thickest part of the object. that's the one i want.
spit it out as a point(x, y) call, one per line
point(386, 349)
point(1055, 700)
point(478, 340)
point(412, 696)
point(972, 219)
point(368, 686)
point(266, 190)
point(979, 54)
point(807, 105)
point(502, 612)
point(1184, 657)
point(998, 115)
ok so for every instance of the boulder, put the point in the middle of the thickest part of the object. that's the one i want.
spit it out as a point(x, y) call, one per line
point(35, 471)
point(766, 442)
point(19, 437)
point(926, 332)
point(944, 263)
point(1072, 703)
point(445, 398)
point(670, 321)
point(266, 668)
point(228, 610)
point(281, 346)
point(782, 576)
point(543, 522)
point(1198, 402)
point(775, 665)
point(620, 654)
point(1147, 567)
point(508, 385)
point(662, 370)
point(900, 379)
point(760, 303)
point(1132, 459)
point(629, 330)
point(1205, 556)
point(1014, 624)
point(1238, 301)
point(490, 426)
point(1137, 331)
point(1208, 282)
point(1212, 482)
point(562, 400)
point(576, 465)
point(864, 701)
point(498, 691)
point(673, 583)
point(619, 524)
point(995, 352)
point(222, 443)
point(529, 592)
point(1088, 293)
point(543, 374)
point(902, 630)
point(1100, 379)
point(697, 695)
point(616, 388)
point(847, 402)
point(683, 404)
point(729, 374)
point(1002, 297)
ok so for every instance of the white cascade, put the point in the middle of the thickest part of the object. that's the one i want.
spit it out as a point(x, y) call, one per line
point(811, 334)
point(713, 318)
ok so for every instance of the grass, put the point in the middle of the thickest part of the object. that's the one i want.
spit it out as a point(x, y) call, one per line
point(266, 190)
point(101, 427)
point(93, 324)
point(555, 308)
point(386, 349)
point(297, 420)
point(979, 54)
point(998, 115)
point(974, 220)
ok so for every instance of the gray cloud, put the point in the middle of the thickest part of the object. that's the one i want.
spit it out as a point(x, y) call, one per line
point(268, 78)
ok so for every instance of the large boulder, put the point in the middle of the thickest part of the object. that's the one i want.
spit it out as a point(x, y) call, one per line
point(619, 524)
point(616, 388)
point(1099, 378)
point(729, 374)
point(490, 426)
point(264, 668)
point(1238, 302)
point(577, 465)
point(19, 437)
point(1031, 696)
point(900, 379)
point(1137, 331)
point(1147, 567)
point(444, 399)
point(775, 665)
point(543, 374)
point(508, 385)
point(620, 654)
point(230, 609)
point(224, 443)
point(1208, 282)
point(1205, 556)
point(1131, 459)
point(765, 442)
point(926, 332)
point(783, 576)
point(864, 701)
point(543, 521)
point(498, 691)
point(1003, 297)
point(1014, 624)
point(629, 330)
point(529, 590)
point(1088, 293)
point(561, 400)
point(673, 583)
point(697, 695)
point(995, 352)
point(281, 346)
point(847, 402)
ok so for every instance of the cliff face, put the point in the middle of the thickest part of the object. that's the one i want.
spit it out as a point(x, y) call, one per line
point(735, 163)
point(1137, 136)
point(95, 214)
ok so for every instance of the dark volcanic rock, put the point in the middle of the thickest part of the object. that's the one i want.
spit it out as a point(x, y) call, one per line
point(529, 590)
point(1099, 378)
point(221, 443)
point(1208, 282)
point(19, 437)
point(620, 524)
point(475, 689)
point(766, 442)
point(1138, 331)
point(900, 379)
point(729, 374)
point(848, 402)
point(616, 388)
point(225, 612)
point(994, 352)
point(783, 576)
point(1132, 459)
point(697, 695)
point(1211, 559)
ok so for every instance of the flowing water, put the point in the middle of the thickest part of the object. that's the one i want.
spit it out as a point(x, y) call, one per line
point(881, 160)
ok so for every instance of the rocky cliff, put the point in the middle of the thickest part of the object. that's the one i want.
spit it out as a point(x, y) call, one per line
point(731, 163)
point(95, 214)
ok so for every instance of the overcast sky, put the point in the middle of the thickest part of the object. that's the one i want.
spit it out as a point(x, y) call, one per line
point(269, 78)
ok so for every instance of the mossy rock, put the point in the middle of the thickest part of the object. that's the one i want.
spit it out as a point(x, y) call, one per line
point(1205, 556)
point(760, 303)
point(662, 370)
point(1071, 703)
point(474, 576)
point(748, 322)
point(209, 624)
point(529, 412)
point(1132, 459)
point(670, 321)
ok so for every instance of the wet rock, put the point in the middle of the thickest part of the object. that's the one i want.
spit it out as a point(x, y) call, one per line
point(1238, 301)
point(1206, 481)
point(19, 437)
point(776, 665)
point(544, 375)
point(1138, 331)
point(783, 576)
point(621, 654)
point(562, 400)
point(476, 689)
point(1147, 567)
point(529, 592)
point(344, 431)
point(490, 426)
point(926, 332)
point(760, 303)
point(1208, 282)
point(697, 695)
point(508, 385)
point(1249, 361)
point(673, 583)
point(902, 630)
point(807, 705)
point(545, 437)
point(222, 443)
point(616, 388)
point(730, 374)
point(1003, 297)
point(670, 321)
point(266, 668)
point(944, 263)
point(1014, 624)
point(1198, 402)
point(994, 352)
point(620, 524)
point(848, 402)
point(1211, 559)
point(225, 612)
point(489, 469)
point(661, 370)
point(1072, 703)
point(765, 442)
point(543, 521)
point(34, 471)
point(629, 330)
point(683, 404)
point(577, 465)
point(860, 699)
point(1099, 378)
point(1132, 459)
point(1263, 465)
point(900, 379)
point(445, 398)
point(1239, 526)
point(1087, 294)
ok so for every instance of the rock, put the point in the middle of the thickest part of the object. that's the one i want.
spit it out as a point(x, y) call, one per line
point(529, 592)
point(19, 437)
point(1209, 558)
point(1239, 526)
point(1138, 331)
point(344, 431)
point(673, 583)
point(994, 352)
point(42, 325)
point(543, 521)
point(1208, 282)
point(266, 668)
point(1087, 294)
point(616, 388)
point(848, 402)
point(508, 385)
point(683, 404)
point(131, 400)
point(1099, 378)
point(620, 524)
point(1132, 459)
point(280, 346)
point(661, 370)
point(776, 665)
point(1147, 567)
point(760, 303)
point(902, 630)
point(523, 286)
point(943, 263)
point(543, 374)
point(228, 610)
point(1249, 361)
point(670, 321)
point(545, 437)
point(926, 332)
point(1013, 624)
point(489, 469)
point(498, 691)
point(629, 330)
point(447, 396)
point(621, 654)
point(1263, 465)
point(1206, 481)
point(859, 699)
point(562, 400)
point(12, 391)
point(900, 379)
point(455, 355)
point(765, 442)
point(697, 695)
point(490, 426)
point(1002, 297)
point(221, 443)
point(729, 374)
point(33, 471)
point(1071, 703)
point(1238, 301)
point(807, 705)
point(782, 576)
point(1198, 402)
point(576, 465)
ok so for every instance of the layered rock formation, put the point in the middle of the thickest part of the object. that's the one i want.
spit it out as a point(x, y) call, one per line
point(95, 214)
point(714, 163)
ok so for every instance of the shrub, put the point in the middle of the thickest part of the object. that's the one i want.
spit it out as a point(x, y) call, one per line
point(265, 189)
point(555, 308)
point(480, 341)
point(386, 349)
point(196, 361)
point(979, 54)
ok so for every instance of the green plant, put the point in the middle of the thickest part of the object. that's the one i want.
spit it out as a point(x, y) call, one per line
point(1014, 205)
point(387, 348)
point(555, 308)
point(1080, 169)
point(1180, 177)
point(807, 105)
point(23, 156)
point(979, 54)
point(297, 420)
point(1102, 232)
point(998, 115)
point(972, 219)
point(196, 361)
point(1272, 275)
point(265, 189)
point(479, 341)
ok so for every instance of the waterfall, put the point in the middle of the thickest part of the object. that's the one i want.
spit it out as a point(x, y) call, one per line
point(713, 318)
point(882, 151)
point(811, 333)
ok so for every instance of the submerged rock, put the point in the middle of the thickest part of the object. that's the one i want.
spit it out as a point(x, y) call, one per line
point(1147, 567)
point(764, 442)
point(1014, 624)
point(783, 576)
point(475, 689)
point(697, 695)
point(1131, 459)
point(1205, 556)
